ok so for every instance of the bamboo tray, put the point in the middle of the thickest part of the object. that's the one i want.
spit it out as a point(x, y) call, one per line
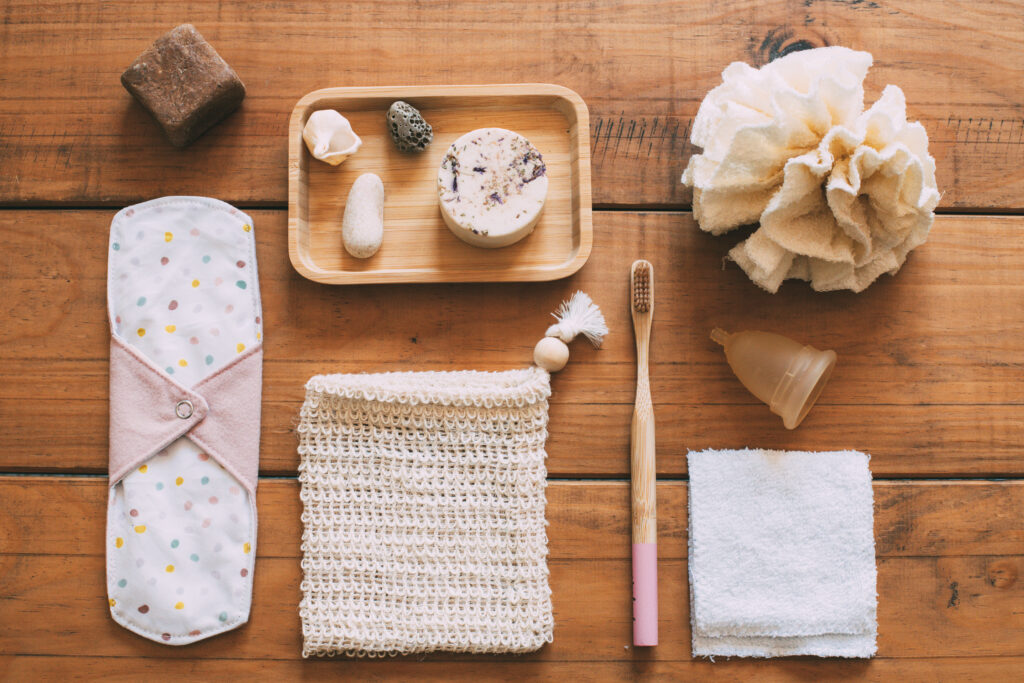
point(418, 246)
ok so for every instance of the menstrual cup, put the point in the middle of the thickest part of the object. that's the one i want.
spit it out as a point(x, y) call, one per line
point(786, 375)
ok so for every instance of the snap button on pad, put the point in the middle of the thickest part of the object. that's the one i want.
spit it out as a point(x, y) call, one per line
point(184, 409)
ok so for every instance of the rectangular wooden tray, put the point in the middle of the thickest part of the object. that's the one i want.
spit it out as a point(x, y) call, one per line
point(418, 246)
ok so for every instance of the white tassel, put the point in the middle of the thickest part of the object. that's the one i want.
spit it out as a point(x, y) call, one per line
point(579, 315)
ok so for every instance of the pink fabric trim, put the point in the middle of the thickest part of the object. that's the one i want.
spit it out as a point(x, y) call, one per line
point(231, 431)
point(142, 403)
point(225, 421)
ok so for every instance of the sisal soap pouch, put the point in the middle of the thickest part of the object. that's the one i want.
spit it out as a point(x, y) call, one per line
point(423, 513)
point(423, 506)
point(186, 359)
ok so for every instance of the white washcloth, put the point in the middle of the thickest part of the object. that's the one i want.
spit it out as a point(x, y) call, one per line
point(782, 554)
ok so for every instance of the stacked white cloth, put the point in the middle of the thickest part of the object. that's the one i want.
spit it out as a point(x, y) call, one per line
point(782, 554)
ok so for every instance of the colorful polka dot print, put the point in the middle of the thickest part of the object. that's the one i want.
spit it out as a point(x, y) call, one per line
point(184, 294)
point(203, 299)
point(184, 531)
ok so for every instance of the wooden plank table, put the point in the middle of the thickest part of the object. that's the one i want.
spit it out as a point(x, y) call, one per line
point(929, 379)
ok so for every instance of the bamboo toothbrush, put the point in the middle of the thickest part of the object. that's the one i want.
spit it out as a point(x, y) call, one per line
point(645, 534)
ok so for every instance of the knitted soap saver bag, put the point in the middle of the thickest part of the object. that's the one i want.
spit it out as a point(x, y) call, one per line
point(423, 508)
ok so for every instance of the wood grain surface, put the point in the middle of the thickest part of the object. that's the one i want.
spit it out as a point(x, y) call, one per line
point(130, 669)
point(931, 359)
point(70, 134)
point(929, 377)
point(948, 560)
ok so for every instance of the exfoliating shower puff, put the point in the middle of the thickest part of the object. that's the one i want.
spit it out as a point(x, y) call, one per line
point(841, 195)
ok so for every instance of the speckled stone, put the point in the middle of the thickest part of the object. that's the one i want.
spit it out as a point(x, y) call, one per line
point(182, 81)
point(409, 129)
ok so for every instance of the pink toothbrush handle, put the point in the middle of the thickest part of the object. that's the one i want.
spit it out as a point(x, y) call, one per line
point(645, 594)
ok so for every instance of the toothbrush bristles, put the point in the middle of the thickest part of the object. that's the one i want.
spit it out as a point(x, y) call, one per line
point(641, 287)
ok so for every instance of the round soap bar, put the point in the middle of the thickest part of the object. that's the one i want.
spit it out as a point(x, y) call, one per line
point(491, 186)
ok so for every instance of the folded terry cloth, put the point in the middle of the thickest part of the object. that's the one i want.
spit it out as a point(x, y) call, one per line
point(782, 554)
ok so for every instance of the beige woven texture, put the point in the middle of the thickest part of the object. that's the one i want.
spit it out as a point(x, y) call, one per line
point(423, 513)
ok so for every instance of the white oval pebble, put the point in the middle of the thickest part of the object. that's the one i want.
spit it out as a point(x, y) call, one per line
point(362, 228)
point(551, 353)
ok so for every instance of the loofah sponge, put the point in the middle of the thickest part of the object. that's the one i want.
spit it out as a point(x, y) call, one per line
point(409, 130)
point(841, 195)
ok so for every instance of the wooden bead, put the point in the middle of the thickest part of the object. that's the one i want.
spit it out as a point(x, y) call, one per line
point(551, 353)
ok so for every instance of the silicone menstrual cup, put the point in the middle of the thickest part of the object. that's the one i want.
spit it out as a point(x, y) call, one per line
point(786, 375)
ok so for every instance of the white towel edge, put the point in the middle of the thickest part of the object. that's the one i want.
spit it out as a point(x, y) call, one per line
point(859, 646)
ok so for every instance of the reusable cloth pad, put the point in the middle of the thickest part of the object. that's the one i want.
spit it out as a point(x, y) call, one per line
point(423, 515)
point(782, 554)
point(185, 381)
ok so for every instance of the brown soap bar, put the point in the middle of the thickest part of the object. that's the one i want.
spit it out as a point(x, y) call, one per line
point(184, 84)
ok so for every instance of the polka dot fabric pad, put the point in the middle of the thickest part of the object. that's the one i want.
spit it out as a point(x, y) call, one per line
point(182, 290)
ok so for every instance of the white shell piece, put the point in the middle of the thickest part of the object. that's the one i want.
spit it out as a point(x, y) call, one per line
point(841, 194)
point(329, 137)
point(362, 228)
